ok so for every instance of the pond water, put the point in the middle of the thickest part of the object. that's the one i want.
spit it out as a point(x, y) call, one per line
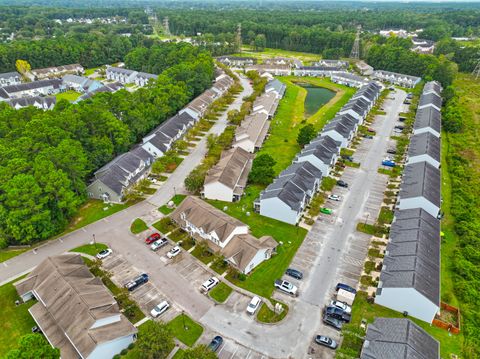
point(316, 98)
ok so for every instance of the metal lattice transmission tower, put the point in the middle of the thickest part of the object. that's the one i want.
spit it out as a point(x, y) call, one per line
point(355, 54)
point(476, 71)
point(238, 38)
point(166, 26)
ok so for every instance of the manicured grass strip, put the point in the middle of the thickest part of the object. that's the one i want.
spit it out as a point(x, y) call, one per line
point(265, 315)
point(6, 254)
point(16, 320)
point(91, 249)
point(178, 354)
point(92, 211)
point(138, 226)
point(185, 329)
point(177, 199)
point(221, 292)
point(202, 255)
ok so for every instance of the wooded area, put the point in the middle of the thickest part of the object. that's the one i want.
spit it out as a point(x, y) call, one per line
point(48, 156)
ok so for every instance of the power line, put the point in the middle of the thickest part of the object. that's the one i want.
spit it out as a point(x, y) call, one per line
point(355, 54)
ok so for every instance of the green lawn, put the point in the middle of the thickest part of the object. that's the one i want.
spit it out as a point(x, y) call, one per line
point(69, 95)
point(187, 334)
point(363, 310)
point(6, 254)
point(91, 249)
point(90, 71)
point(290, 117)
point(16, 320)
point(138, 226)
point(261, 280)
point(221, 292)
point(265, 315)
point(203, 256)
point(92, 211)
point(178, 354)
point(165, 225)
point(177, 199)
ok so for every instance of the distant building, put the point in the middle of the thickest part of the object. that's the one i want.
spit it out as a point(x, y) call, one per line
point(396, 78)
point(364, 68)
point(56, 71)
point(236, 61)
point(333, 63)
point(32, 89)
point(80, 84)
point(423, 46)
point(125, 76)
point(349, 79)
point(398, 338)
point(75, 311)
point(274, 69)
point(43, 103)
point(10, 78)
point(317, 71)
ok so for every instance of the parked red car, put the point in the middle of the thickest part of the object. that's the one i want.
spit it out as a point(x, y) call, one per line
point(152, 238)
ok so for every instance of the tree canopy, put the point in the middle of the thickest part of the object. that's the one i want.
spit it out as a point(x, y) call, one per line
point(33, 346)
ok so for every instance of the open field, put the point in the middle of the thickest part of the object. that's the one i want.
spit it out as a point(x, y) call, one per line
point(268, 53)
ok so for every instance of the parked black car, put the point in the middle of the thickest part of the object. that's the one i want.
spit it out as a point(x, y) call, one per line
point(345, 287)
point(138, 281)
point(333, 322)
point(368, 136)
point(342, 184)
point(215, 343)
point(337, 313)
point(294, 273)
point(392, 151)
point(399, 127)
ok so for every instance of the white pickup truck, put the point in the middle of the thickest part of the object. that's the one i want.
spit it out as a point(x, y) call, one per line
point(286, 287)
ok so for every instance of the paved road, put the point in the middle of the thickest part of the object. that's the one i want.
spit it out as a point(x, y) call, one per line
point(117, 227)
point(329, 246)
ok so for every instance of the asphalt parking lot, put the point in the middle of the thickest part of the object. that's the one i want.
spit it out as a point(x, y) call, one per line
point(147, 295)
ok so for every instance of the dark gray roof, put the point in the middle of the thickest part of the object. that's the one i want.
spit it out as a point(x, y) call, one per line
point(349, 76)
point(412, 258)
point(31, 101)
point(432, 86)
point(428, 117)
point(8, 75)
point(424, 144)
point(421, 179)
point(345, 120)
point(55, 83)
point(338, 63)
point(293, 184)
point(115, 173)
point(324, 148)
point(302, 168)
point(338, 126)
point(146, 75)
point(120, 70)
point(355, 106)
point(173, 125)
point(430, 98)
point(398, 338)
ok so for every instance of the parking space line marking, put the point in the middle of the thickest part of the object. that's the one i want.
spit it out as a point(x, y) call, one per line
point(235, 352)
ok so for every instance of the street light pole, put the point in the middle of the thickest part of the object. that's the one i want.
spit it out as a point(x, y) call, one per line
point(94, 242)
point(183, 319)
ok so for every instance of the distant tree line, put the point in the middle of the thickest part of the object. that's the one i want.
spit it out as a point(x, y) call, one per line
point(46, 157)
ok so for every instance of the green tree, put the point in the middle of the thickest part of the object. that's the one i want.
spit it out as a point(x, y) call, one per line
point(33, 346)
point(155, 341)
point(260, 42)
point(306, 134)
point(262, 170)
point(199, 352)
point(194, 181)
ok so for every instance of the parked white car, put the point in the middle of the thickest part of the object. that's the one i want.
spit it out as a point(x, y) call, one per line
point(254, 305)
point(104, 253)
point(159, 243)
point(344, 306)
point(335, 197)
point(160, 309)
point(175, 251)
point(209, 284)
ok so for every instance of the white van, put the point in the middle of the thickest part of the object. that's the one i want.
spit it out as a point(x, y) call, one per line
point(254, 305)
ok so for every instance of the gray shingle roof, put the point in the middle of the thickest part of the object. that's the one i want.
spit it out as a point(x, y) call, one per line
point(424, 144)
point(432, 86)
point(320, 68)
point(430, 98)
point(8, 75)
point(421, 179)
point(398, 338)
point(31, 101)
point(55, 83)
point(428, 117)
point(277, 86)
